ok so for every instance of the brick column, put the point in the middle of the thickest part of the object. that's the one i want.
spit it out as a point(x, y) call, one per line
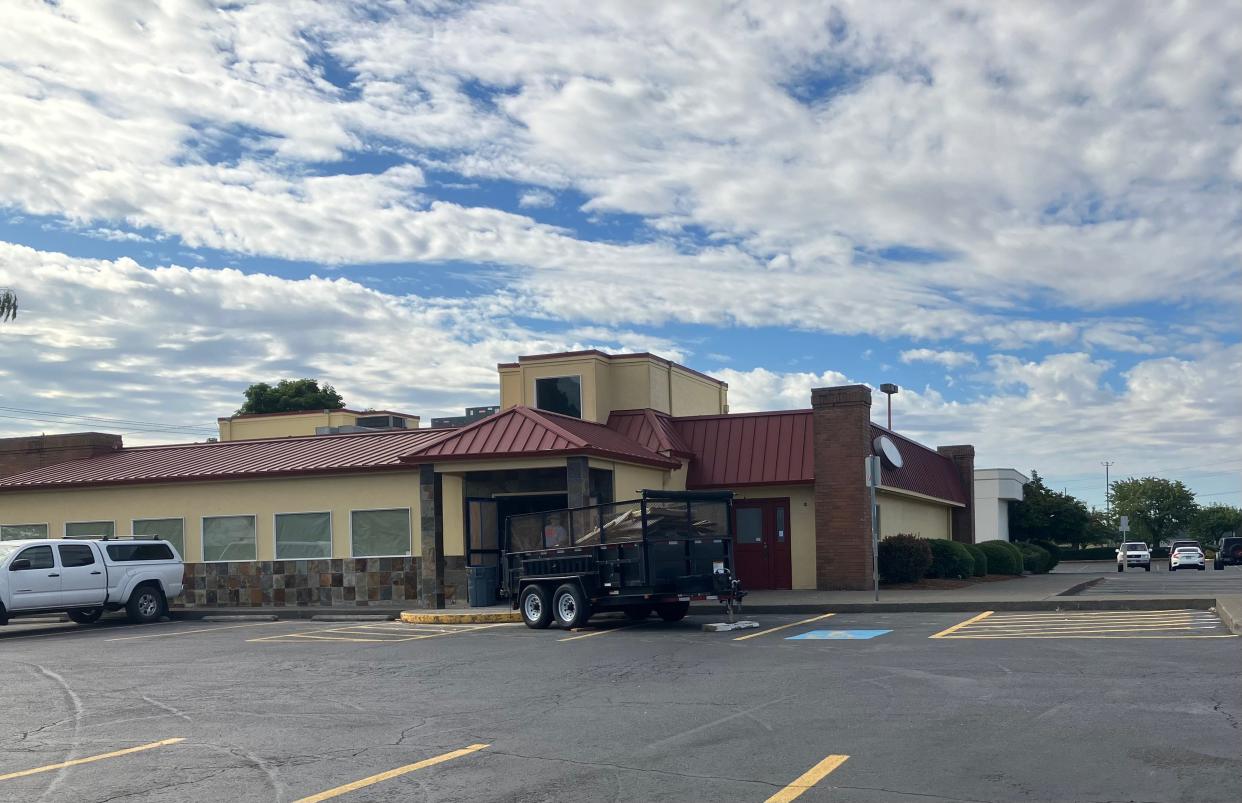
point(578, 481)
point(963, 518)
point(431, 514)
point(842, 425)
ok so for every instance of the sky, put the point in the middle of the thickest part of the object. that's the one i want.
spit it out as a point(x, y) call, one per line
point(1028, 216)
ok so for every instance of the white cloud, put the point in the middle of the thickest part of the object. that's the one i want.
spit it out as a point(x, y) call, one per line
point(536, 199)
point(949, 359)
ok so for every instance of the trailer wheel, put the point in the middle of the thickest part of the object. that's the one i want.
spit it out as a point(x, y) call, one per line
point(570, 606)
point(673, 611)
point(638, 613)
point(536, 612)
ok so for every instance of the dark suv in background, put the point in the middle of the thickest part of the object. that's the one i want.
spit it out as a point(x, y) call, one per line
point(1228, 552)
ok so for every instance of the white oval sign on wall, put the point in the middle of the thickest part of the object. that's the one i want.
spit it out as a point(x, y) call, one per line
point(886, 449)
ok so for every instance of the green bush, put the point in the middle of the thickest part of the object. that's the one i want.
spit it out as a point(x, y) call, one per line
point(1017, 555)
point(1035, 559)
point(904, 558)
point(1000, 558)
point(950, 560)
point(981, 560)
point(1090, 553)
point(1054, 552)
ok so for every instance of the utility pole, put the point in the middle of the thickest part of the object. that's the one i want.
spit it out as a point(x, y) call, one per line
point(888, 389)
point(1108, 489)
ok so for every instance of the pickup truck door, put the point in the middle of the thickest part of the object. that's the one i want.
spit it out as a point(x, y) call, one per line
point(37, 586)
point(82, 577)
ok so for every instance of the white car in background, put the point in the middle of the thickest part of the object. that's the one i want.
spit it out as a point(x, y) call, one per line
point(1187, 557)
point(1134, 554)
point(85, 577)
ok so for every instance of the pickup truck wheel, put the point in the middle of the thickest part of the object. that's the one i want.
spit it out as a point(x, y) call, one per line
point(638, 613)
point(1120, 568)
point(1147, 567)
point(4, 616)
point(85, 616)
point(536, 610)
point(146, 605)
point(570, 606)
point(673, 611)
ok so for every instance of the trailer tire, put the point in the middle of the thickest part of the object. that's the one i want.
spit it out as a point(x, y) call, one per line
point(673, 611)
point(638, 613)
point(536, 611)
point(570, 606)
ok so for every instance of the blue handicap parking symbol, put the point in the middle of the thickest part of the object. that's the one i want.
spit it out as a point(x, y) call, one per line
point(823, 635)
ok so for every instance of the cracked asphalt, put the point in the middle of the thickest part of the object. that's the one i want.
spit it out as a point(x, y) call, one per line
point(653, 712)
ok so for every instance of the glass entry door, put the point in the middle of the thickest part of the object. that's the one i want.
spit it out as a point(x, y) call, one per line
point(482, 533)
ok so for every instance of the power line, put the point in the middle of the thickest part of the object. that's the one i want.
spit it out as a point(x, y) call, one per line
point(146, 429)
point(1221, 493)
point(153, 425)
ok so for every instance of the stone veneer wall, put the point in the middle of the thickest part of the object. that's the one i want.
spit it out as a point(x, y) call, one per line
point(292, 583)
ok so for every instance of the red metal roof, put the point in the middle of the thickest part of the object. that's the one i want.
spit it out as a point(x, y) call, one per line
point(749, 449)
point(310, 454)
point(650, 429)
point(524, 432)
point(924, 471)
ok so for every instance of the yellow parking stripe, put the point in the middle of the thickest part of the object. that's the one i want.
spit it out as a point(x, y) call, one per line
point(960, 625)
point(371, 635)
point(1072, 635)
point(371, 780)
point(191, 632)
point(598, 632)
point(783, 627)
point(89, 759)
point(1080, 631)
point(807, 779)
point(1093, 615)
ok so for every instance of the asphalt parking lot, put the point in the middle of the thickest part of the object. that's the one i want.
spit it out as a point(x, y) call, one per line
point(980, 706)
point(1160, 581)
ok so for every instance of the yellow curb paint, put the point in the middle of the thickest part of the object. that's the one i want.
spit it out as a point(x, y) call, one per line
point(977, 618)
point(783, 627)
point(807, 780)
point(430, 618)
point(75, 762)
point(371, 780)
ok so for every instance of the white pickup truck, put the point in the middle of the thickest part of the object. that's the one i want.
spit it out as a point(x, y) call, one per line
point(83, 578)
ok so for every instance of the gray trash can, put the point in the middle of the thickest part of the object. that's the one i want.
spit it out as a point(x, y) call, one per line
point(482, 583)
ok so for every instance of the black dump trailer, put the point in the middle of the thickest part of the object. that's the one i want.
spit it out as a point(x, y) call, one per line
point(654, 554)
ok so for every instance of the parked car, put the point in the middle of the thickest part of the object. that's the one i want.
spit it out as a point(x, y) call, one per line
point(1187, 557)
point(1184, 542)
point(83, 578)
point(1133, 553)
point(1228, 552)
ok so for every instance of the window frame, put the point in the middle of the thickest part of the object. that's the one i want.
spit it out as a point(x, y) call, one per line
point(180, 552)
point(202, 537)
point(331, 532)
point(47, 530)
point(64, 530)
point(534, 395)
point(409, 517)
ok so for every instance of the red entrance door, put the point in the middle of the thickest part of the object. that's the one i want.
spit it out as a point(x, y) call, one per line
point(761, 543)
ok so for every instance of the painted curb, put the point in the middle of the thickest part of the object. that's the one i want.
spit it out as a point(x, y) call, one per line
point(1229, 609)
point(1054, 604)
point(454, 618)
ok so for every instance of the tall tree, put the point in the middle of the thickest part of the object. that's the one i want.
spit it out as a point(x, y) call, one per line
point(1159, 509)
point(290, 395)
point(1213, 522)
point(1047, 514)
point(8, 304)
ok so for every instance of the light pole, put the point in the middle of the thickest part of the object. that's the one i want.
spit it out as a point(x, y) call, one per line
point(1108, 489)
point(889, 390)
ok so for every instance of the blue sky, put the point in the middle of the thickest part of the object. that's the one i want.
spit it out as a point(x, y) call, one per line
point(1039, 242)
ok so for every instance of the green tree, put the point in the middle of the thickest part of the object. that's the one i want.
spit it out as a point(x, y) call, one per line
point(1213, 522)
point(1047, 514)
point(1159, 509)
point(8, 304)
point(290, 395)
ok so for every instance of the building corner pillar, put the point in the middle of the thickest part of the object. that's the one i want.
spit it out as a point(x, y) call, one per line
point(431, 537)
point(962, 519)
point(578, 481)
point(841, 420)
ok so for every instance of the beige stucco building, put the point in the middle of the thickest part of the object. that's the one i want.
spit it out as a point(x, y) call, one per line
point(276, 515)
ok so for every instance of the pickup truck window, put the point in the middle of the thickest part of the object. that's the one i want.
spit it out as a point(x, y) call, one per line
point(76, 555)
point(40, 557)
point(124, 553)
